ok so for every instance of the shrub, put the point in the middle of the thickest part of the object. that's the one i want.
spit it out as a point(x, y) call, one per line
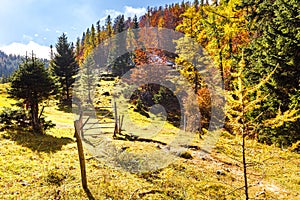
point(12, 118)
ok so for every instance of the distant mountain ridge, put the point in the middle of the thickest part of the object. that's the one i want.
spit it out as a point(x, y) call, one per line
point(10, 63)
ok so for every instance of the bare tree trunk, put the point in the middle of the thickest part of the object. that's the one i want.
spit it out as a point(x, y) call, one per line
point(68, 92)
point(244, 134)
point(36, 126)
point(245, 167)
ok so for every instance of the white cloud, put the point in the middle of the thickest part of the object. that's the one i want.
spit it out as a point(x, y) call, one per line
point(27, 37)
point(113, 13)
point(36, 35)
point(21, 49)
point(130, 11)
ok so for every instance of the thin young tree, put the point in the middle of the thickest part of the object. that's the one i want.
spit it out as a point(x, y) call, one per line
point(238, 105)
point(244, 99)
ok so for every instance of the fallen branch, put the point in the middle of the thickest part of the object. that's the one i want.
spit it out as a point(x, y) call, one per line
point(131, 137)
point(142, 194)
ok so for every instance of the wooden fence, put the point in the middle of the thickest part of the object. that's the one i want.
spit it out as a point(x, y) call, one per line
point(82, 127)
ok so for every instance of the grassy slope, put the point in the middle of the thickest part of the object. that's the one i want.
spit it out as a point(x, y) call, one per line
point(47, 168)
point(4, 101)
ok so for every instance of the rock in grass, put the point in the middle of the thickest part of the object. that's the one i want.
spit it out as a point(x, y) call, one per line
point(186, 155)
point(106, 94)
point(220, 172)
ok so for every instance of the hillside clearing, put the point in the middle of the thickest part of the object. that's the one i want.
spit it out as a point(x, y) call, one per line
point(47, 167)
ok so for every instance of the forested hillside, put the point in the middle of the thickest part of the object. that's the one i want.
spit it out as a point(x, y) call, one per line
point(247, 41)
point(8, 64)
point(193, 100)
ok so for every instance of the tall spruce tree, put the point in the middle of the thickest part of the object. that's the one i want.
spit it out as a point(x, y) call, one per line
point(120, 62)
point(93, 37)
point(32, 83)
point(135, 22)
point(108, 27)
point(88, 79)
point(65, 69)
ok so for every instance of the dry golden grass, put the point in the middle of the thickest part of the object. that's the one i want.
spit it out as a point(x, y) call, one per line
point(47, 167)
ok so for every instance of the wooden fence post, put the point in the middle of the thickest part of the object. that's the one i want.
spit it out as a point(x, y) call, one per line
point(80, 154)
point(121, 124)
point(78, 131)
point(116, 131)
point(184, 122)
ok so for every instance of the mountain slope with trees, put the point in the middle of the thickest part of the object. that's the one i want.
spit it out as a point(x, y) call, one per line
point(265, 35)
point(254, 47)
point(8, 64)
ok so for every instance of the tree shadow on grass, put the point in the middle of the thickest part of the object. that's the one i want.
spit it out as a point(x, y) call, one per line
point(43, 143)
point(65, 108)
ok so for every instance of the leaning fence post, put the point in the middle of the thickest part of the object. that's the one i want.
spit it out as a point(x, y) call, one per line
point(121, 124)
point(116, 121)
point(81, 154)
point(184, 122)
point(77, 125)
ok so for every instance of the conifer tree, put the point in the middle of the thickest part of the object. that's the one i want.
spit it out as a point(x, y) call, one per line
point(242, 101)
point(239, 104)
point(276, 29)
point(88, 43)
point(65, 69)
point(32, 83)
point(98, 33)
point(93, 37)
point(135, 22)
point(120, 62)
point(88, 79)
point(108, 27)
point(78, 49)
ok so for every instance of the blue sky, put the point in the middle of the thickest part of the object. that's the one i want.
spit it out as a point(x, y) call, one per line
point(36, 24)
